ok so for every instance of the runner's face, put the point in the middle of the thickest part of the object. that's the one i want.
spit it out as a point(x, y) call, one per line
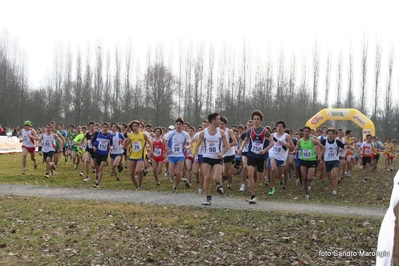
point(340, 134)
point(216, 122)
point(256, 121)
point(280, 128)
point(250, 123)
point(157, 133)
point(300, 134)
point(113, 128)
point(331, 135)
point(48, 129)
point(91, 128)
point(190, 131)
point(204, 125)
point(222, 125)
point(135, 127)
point(105, 129)
point(178, 126)
point(84, 130)
point(199, 129)
point(185, 127)
point(236, 134)
point(306, 133)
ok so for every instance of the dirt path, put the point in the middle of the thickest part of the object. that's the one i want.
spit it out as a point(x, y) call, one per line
point(185, 199)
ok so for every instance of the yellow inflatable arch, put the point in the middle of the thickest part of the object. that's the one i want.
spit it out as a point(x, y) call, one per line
point(342, 114)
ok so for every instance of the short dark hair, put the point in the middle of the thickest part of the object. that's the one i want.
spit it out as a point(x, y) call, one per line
point(71, 125)
point(306, 127)
point(223, 119)
point(280, 122)
point(179, 120)
point(105, 124)
point(212, 116)
point(331, 130)
point(258, 113)
point(92, 123)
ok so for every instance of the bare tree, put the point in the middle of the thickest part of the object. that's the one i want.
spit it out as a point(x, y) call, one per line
point(316, 72)
point(117, 91)
point(198, 94)
point(339, 80)
point(350, 98)
point(98, 85)
point(209, 104)
point(77, 95)
point(328, 77)
point(106, 103)
point(377, 72)
point(160, 92)
point(364, 73)
point(68, 83)
point(388, 114)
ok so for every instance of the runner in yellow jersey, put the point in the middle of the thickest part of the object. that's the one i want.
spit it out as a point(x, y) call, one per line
point(393, 154)
point(387, 151)
point(137, 141)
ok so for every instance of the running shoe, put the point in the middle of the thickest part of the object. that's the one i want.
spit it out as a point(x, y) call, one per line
point(272, 190)
point(253, 201)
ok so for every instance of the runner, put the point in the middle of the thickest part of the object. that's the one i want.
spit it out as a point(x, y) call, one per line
point(228, 159)
point(331, 158)
point(189, 157)
point(387, 150)
point(367, 154)
point(244, 155)
point(377, 148)
point(393, 154)
point(213, 139)
point(175, 141)
point(80, 144)
point(48, 138)
point(102, 143)
point(137, 141)
point(117, 150)
point(28, 137)
point(257, 138)
point(90, 155)
point(342, 155)
point(280, 145)
point(308, 157)
point(158, 154)
point(349, 148)
point(197, 166)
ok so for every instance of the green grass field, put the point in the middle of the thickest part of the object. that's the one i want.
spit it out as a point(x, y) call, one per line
point(352, 191)
point(38, 231)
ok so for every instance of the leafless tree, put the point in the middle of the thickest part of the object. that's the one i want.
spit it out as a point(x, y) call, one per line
point(377, 72)
point(364, 74)
point(388, 114)
point(98, 85)
point(209, 103)
point(350, 98)
point(339, 80)
point(328, 78)
point(316, 72)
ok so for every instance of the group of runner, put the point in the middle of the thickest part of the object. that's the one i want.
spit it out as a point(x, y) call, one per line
point(212, 152)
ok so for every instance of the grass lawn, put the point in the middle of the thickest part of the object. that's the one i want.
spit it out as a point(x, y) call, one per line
point(39, 231)
point(352, 191)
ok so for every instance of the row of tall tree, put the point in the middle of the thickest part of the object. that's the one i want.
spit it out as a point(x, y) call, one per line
point(111, 85)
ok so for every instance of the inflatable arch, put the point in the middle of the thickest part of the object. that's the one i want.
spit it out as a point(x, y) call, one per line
point(342, 114)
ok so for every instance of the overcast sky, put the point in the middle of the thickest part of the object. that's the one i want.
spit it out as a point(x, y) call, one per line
point(293, 26)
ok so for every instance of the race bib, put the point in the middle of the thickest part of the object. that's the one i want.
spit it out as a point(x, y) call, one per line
point(89, 144)
point(202, 150)
point(136, 146)
point(157, 152)
point(212, 150)
point(177, 148)
point(83, 146)
point(25, 139)
point(47, 143)
point(307, 154)
point(116, 148)
point(102, 145)
point(256, 147)
point(367, 151)
point(276, 148)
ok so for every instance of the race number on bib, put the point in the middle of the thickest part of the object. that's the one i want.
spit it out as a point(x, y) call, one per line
point(256, 147)
point(137, 146)
point(47, 143)
point(103, 145)
point(306, 154)
point(157, 152)
point(177, 148)
point(89, 144)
